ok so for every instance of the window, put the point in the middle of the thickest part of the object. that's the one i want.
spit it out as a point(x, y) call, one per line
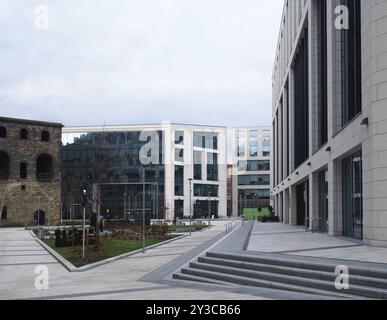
point(179, 155)
point(255, 193)
point(254, 180)
point(4, 213)
point(206, 190)
point(45, 136)
point(301, 105)
point(266, 143)
point(179, 209)
point(353, 196)
point(241, 141)
point(23, 170)
point(197, 165)
point(179, 137)
point(254, 165)
point(253, 142)
point(23, 134)
point(4, 166)
point(212, 166)
point(322, 74)
point(351, 63)
point(206, 140)
point(3, 132)
point(44, 168)
point(179, 180)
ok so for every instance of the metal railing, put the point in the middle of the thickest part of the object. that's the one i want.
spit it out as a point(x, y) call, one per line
point(310, 219)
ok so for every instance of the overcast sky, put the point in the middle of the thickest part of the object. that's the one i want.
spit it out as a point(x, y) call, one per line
point(139, 61)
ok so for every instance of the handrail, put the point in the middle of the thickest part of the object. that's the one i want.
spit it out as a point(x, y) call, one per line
point(229, 227)
point(308, 220)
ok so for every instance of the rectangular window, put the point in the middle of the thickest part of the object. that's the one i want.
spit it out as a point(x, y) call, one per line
point(266, 143)
point(179, 155)
point(179, 180)
point(254, 180)
point(253, 143)
point(351, 63)
point(206, 140)
point(322, 74)
point(301, 105)
point(255, 193)
point(206, 190)
point(179, 209)
point(353, 197)
point(197, 165)
point(241, 142)
point(179, 137)
point(212, 166)
point(254, 165)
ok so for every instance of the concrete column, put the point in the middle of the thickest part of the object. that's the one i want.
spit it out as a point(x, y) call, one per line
point(335, 185)
point(293, 205)
point(286, 207)
point(313, 202)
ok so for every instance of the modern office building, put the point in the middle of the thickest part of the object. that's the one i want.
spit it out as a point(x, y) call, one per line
point(110, 162)
point(330, 118)
point(251, 168)
point(29, 172)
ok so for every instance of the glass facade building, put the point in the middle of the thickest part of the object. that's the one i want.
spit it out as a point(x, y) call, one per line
point(110, 162)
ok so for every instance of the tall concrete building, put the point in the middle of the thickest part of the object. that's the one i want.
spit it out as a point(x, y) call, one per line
point(330, 118)
point(29, 172)
point(251, 154)
point(185, 164)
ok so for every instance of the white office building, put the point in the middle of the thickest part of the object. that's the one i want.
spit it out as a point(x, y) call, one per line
point(177, 153)
point(251, 154)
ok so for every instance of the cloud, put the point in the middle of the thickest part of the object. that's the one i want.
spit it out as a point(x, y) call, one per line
point(129, 61)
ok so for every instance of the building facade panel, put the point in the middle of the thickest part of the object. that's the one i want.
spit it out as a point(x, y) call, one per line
point(333, 187)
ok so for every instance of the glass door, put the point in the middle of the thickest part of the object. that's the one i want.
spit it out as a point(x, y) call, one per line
point(353, 197)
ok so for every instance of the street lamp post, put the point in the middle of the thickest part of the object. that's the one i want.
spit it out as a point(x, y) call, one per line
point(209, 211)
point(84, 202)
point(190, 206)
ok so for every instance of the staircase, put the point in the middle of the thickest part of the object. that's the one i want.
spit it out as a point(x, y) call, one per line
point(285, 273)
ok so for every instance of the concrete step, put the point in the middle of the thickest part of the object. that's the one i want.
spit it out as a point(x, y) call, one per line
point(325, 265)
point(246, 281)
point(187, 277)
point(223, 273)
point(292, 271)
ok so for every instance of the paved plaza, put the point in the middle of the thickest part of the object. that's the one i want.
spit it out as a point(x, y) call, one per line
point(148, 276)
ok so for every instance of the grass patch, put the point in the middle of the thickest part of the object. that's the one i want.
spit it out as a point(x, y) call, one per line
point(110, 248)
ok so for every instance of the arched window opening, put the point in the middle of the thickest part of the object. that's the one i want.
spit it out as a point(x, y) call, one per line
point(45, 136)
point(4, 166)
point(4, 213)
point(44, 168)
point(23, 134)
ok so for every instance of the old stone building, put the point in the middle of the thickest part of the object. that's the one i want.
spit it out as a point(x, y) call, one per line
point(29, 172)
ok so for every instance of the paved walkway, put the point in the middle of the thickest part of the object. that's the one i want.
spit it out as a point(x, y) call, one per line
point(280, 238)
point(20, 254)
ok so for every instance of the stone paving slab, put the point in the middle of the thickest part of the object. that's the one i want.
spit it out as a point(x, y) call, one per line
point(291, 240)
point(118, 280)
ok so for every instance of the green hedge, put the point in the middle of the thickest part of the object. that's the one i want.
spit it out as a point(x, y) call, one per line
point(255, 214)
